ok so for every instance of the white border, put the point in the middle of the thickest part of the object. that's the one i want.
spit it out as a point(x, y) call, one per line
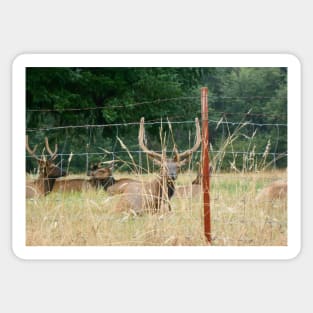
point(159, 60)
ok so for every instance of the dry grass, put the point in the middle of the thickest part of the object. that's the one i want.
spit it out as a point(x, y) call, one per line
point(88, 218)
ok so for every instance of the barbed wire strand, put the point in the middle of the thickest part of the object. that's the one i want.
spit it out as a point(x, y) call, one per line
point(149, 123)
point(138, 151)
point(111, 106)
point(127, 105)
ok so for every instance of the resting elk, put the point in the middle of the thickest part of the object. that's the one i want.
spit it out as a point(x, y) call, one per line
point(72, 185)
point(77, 184)
point(153, 196)
point(102, 177)
point(48, 172)
point(275, 191)
point(80, 184)
point(99, 177)
point(193, 190)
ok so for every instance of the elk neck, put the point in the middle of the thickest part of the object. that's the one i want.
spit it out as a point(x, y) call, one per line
point(107, 182)
point(48, 184)
point(170, 186)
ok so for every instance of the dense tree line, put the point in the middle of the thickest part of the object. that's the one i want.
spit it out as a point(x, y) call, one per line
point(57, 97)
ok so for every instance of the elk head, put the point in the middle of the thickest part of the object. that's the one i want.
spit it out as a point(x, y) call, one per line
point(169, 166)
point(101, 176)
point(48, 170)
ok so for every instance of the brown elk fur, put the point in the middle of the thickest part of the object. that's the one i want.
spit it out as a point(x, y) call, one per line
point(96, 179)
point(190, 191)
point(72, 185)
point(275, 191)
point(48, 173)
point(150, 197)
point(194, 189)
point(101, 177)
point(120, 186)
point(154, 196)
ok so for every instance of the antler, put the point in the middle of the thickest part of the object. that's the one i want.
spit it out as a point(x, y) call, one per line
point(187, 153)
point(53, 155)
point(150, 153)
point(31, 151)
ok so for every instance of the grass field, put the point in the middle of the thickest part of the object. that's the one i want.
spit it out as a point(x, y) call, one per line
point(89, 218)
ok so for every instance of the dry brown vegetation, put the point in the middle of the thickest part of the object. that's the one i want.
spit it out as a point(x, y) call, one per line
point(89, 218)
point(241, 213)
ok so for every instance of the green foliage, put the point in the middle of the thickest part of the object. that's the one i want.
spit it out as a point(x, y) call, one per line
point(59, 97)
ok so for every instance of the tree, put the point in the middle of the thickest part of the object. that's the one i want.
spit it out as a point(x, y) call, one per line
point(108, 96)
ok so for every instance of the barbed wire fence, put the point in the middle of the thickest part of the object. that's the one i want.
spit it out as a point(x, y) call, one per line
point(93, 147)
point(99, 150)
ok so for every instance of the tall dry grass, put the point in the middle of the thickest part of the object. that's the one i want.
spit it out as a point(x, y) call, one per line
point(237, 219)
point(89, 218)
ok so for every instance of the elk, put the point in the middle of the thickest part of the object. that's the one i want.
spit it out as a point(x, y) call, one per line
point(101, 177)
point(275, 191)
point(72, 185)
point(76, 184)
point(48, 172)
point(98, 177)
point(154, 195)
point(193, 190)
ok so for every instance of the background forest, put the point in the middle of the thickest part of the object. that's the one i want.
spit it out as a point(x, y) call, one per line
point(84, 110)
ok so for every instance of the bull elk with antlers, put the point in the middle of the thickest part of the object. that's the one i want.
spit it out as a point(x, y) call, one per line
point(153, 196)
point(48, 172)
